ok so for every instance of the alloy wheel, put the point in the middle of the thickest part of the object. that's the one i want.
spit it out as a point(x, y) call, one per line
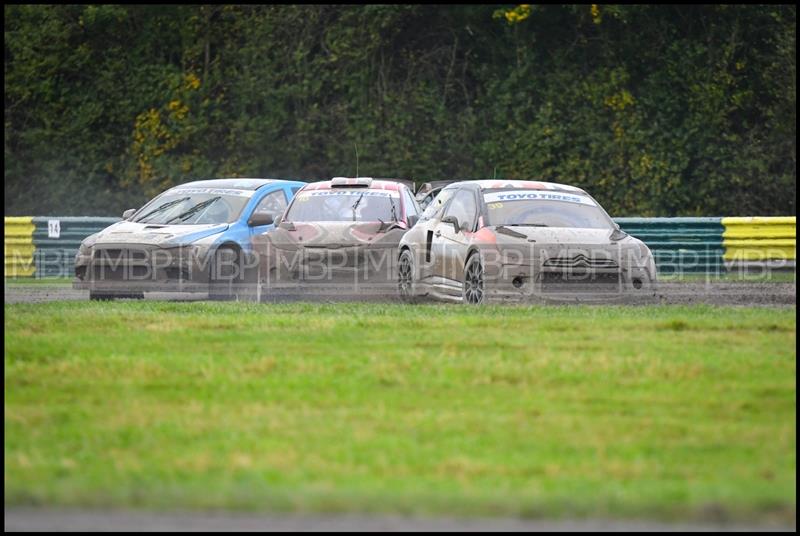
point(473, 282)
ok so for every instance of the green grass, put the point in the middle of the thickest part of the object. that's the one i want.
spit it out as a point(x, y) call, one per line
point(534, 411)
point(38, 281)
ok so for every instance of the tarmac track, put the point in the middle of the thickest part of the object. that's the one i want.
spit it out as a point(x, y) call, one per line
point(50, 520)
point(703, 292)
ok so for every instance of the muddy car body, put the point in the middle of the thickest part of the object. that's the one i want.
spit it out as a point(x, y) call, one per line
point(195, 237)
point(337, 238)
point(494, 240)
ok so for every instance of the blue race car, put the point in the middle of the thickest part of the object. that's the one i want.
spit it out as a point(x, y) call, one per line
point(195, 237)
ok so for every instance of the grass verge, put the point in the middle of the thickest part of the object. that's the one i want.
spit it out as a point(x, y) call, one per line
point(672, 412)
point(55, 281)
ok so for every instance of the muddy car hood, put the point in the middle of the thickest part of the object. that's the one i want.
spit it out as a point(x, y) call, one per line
point(332, 235)
point(126, 232)
point(557, 235)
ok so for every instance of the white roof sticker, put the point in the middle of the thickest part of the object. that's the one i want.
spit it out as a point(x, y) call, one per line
point(351, 192)
point(215, 191)
point(539, 195)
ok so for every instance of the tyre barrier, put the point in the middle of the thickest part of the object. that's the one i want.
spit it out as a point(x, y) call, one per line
point(46, 246)
point(18, 247)
point(680, 245)
point(756, 242)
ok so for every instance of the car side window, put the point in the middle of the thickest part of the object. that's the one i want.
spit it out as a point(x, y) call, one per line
point(411, 205)
point(464, 208)
point(434, 208)
point(273, 203)
point(425, 201)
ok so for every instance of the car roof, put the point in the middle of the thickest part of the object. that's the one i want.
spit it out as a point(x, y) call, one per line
point(235, 184)
point(491, 184)
point(377, 184)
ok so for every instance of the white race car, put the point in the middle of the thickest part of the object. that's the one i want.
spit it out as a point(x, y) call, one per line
point(505, 239)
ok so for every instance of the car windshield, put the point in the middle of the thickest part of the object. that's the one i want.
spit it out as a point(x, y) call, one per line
point(194, 206)
point(544, 209)
point(345, 205)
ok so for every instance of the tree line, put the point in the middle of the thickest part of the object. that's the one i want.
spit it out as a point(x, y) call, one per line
point(656, 110)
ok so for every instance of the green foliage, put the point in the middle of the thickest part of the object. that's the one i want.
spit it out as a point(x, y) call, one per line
point(656, 110)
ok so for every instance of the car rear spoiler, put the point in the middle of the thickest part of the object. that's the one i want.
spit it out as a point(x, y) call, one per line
point(347, 182)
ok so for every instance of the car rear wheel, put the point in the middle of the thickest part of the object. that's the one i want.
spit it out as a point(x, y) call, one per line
point(405, 277)
point(474, 286)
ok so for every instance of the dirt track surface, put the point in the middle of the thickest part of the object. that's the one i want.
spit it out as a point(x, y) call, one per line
point(21, 293)
point(712, 292)
point(25, 519)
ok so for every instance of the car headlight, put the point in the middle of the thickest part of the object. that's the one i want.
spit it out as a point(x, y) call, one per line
point(646, 260)
point(200, 251)
point(86, 245)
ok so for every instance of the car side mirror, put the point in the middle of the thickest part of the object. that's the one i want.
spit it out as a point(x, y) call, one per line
point(412, 220)
point(258, 219)
point(128, 213)
point(454, 221)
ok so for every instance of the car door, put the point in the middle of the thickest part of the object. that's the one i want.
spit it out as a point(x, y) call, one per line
point(431, 261)
point(452, 243)
point(274, 203)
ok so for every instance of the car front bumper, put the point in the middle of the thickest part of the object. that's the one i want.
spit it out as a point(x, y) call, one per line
point(147, 268)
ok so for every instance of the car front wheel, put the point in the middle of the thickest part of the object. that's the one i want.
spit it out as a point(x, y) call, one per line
point(224, 274)
point(474, 284)
point(405, 277)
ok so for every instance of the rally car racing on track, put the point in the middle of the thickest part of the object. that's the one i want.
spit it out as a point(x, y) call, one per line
point(490, 240)
point(195, 237)
point(337, 238)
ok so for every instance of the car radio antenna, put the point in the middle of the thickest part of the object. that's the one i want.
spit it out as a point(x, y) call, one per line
point(495, 172)
point(356, 145)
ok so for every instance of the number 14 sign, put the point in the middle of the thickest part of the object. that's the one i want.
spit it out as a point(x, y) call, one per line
point(53, 228)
